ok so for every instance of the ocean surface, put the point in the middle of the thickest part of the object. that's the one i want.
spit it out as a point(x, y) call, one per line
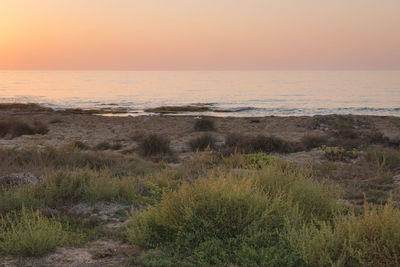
point(252, 93)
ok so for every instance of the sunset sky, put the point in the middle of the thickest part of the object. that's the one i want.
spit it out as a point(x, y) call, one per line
point(199, 34)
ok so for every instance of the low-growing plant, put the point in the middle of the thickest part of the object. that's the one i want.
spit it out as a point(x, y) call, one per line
point(254, 144)
point(49, 159)
point(388, 159)
point(154, 144)
point(339, 153)
point(67, 187)
point(235, 219)
point(370, 239)
point(203, 142)
point(29, 234)
point(247, 161)
point(204, 124)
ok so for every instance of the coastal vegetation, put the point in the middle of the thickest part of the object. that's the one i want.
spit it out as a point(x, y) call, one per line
point(161, 191)
point(213, 210)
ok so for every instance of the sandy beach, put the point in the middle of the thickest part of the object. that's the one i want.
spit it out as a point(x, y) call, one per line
point(94, 129)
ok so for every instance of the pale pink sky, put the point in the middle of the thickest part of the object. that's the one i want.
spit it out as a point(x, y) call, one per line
point(199, 34)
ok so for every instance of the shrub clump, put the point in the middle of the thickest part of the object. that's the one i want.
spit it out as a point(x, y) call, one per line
point(254, 144)
point(339, 153)
point(30, 234)
point(204, 125)
point(203, 142)
point(154, 144)
point(215, 219)
point(228, 220)
point(370, 239)
point(17, 128)
point(388, 159)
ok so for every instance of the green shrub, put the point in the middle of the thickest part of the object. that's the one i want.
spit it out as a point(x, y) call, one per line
point(32, 196)
point(203, 142)
point(388, 159)
point(338, 153)
point(154, 144)
point(203, 217)
point(247, 161)
point(370, 239)
point(203, 125)
point(256, 161)
point(315, 200)
point(30, 234)
point(73, 187)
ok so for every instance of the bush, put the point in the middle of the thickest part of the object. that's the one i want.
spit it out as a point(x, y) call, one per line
point(204, 124)
point(203, 142)
point(154, 144)
point(226, 219)
point(368, 240)
point(219, 210)
point(260, 143)
point(339, 153)
point(30, 234)
point(247, 161)
point(388, 159)
point(15, 128)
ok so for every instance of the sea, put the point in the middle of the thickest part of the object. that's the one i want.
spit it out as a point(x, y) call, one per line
point(236, 93)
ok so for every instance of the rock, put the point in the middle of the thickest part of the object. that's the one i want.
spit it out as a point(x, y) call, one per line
point(16, 179)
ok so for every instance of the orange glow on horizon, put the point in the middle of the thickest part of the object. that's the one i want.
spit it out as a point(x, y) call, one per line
point(154, 34)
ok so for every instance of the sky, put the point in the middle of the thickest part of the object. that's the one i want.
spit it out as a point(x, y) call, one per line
point(199, 34)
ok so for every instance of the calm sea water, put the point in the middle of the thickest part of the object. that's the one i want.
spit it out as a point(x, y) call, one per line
point(255, 93)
